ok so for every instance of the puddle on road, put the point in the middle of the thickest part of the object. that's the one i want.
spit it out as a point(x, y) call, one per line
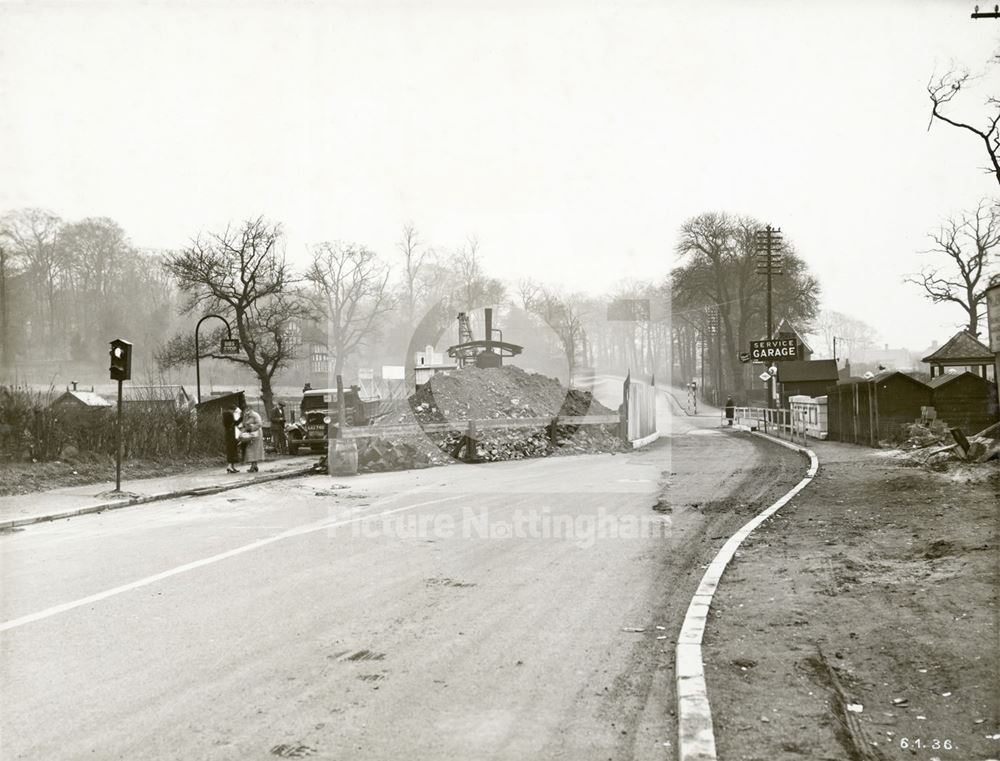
point(297, 750)
point(446, 582)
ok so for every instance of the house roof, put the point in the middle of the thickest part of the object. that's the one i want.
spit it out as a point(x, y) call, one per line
point(887, 374)
point(949, 377)
point(962, 348)
point(807, 370)
point(153, 393)
point(88, 398)
point(784, 326)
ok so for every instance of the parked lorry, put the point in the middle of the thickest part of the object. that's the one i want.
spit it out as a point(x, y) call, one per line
point(319, 409)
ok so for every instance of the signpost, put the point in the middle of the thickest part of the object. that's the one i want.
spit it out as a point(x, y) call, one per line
point(230, 345)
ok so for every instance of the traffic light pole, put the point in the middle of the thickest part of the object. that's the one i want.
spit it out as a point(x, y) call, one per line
point(118, 442)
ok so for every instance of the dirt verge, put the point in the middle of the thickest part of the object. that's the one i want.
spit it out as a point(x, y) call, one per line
point(861, 622)
point(30, 477)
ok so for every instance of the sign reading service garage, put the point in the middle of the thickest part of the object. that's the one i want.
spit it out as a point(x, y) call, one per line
point(775, 350)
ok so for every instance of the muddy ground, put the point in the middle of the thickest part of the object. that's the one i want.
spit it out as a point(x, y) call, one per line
point(30, 477)
point(862, 621)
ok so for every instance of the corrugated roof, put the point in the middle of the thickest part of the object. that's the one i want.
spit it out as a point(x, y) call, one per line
point(883, 376)
point(807, 370)
point(152, 393)
point(948, 377)
point(960, 348)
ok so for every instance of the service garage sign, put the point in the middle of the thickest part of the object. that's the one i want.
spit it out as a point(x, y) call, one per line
point(775, 350)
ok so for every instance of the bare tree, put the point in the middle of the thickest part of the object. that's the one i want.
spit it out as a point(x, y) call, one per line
point(967, 241)
point(96, 253)
point(8, 270)
point(943, 90)
point(474, 287)
point(32, 234)
point(719, 272)
point(352, 285)
point(849, 331)
point(414, 255)
point(241, 274)
point(562, 313)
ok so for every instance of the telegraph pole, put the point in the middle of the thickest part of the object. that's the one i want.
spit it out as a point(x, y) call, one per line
point(715, 329)
point(767, 243)
point(986, 14)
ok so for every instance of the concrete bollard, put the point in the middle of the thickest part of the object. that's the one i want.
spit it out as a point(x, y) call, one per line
point(343, 459)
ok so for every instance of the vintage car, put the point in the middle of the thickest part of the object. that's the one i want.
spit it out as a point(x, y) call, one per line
point(319, 411)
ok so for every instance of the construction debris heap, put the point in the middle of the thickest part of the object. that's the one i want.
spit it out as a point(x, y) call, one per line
point(507, 393)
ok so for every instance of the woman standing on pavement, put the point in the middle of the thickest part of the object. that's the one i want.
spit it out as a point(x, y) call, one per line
point(254, 451)
point(230, 434)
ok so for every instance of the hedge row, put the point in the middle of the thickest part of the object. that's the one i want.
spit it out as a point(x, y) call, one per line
point(30, 428)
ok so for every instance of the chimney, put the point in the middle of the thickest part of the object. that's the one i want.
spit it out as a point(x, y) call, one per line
point(887, 347)
point(489, 328)
point(74, 385)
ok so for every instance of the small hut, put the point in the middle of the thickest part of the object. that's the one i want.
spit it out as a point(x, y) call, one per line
point(869, 410)
point(965, 400)
point(962, 350)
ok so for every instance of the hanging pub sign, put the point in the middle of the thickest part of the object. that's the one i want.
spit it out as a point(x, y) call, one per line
point(775, 350)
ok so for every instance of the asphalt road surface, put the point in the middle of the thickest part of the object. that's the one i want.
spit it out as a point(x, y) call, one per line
point(463, 612)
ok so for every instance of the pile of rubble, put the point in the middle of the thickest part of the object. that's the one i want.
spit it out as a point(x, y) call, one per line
point(933, 443)
point(377, 454)
point(507, 393)
point(924, 433)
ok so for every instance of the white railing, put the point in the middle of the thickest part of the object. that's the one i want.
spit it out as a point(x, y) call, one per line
point(785, 424)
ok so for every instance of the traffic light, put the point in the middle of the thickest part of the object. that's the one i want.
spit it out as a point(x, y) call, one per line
point(121, 360)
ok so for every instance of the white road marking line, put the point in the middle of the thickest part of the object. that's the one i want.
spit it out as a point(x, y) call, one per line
point(57, 609)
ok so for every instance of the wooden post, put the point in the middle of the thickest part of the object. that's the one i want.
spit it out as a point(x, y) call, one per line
point(470, 442)
point(341, 410)
point(963, 443)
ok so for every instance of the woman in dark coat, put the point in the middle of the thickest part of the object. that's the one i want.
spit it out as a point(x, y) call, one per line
point(232, 445)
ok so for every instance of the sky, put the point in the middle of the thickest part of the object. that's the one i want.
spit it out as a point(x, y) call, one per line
point(572, 139)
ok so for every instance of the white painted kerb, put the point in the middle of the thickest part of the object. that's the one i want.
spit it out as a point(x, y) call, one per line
point(695, 736)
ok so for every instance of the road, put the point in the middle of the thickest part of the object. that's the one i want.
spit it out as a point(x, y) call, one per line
point(464, 612)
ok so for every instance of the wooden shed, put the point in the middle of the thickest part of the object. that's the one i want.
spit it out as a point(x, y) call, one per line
point(869, 410)
point(809, 377)
point(965, 400)
point(78, 401)
point(171, 398)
